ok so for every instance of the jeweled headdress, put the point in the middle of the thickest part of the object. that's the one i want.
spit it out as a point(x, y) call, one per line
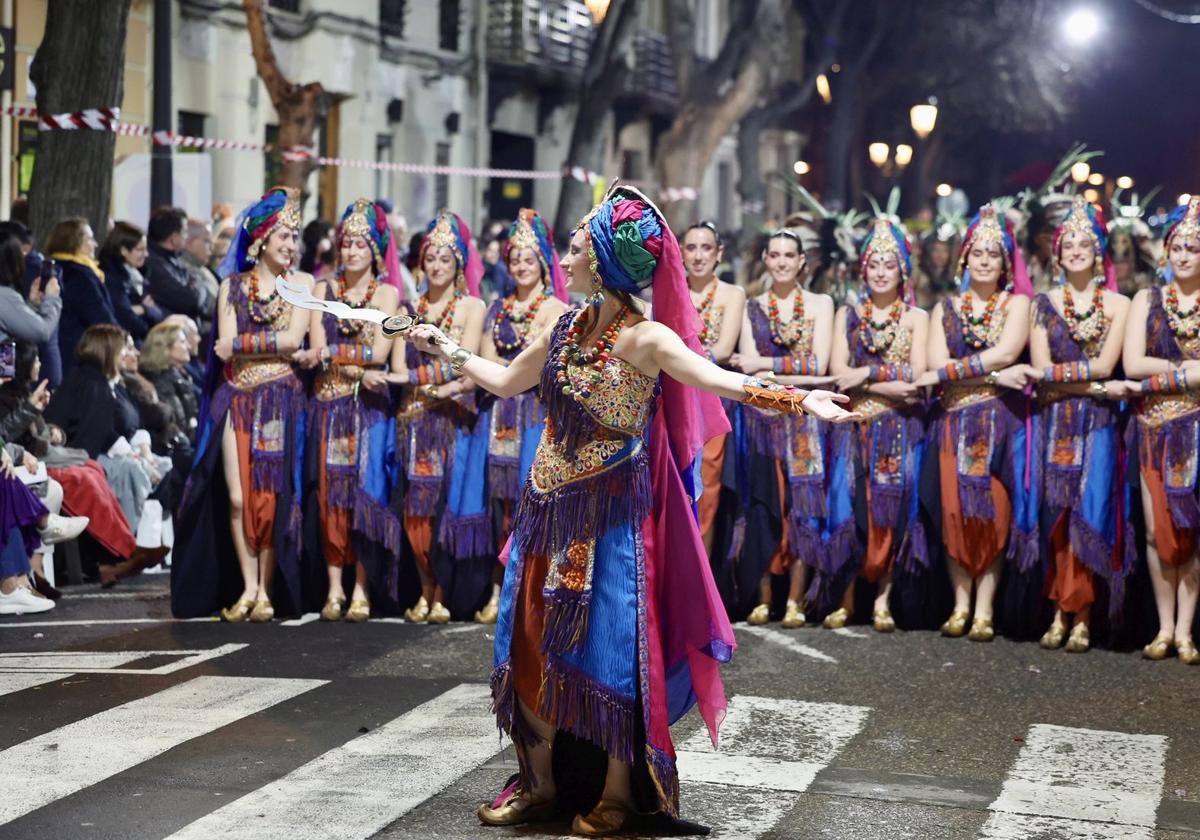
point(886, 238)
point(448, 230)
point(989, 228)
point(1183, 221)
point(1087, 219)
point(530, 231)
point(364, 219)
point(278, 208)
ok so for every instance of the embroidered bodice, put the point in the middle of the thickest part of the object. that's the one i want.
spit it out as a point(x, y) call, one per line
point(899, 352)
point(333, 381)
point(247, 372)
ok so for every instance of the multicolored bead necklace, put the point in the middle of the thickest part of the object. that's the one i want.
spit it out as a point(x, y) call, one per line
point(1185, 325)
point(709, 316)
point(446, 319)
point(262, 310)
point(346, 326)
point(1085, 326)
point(522, 321)
point(973, 337)
point(878, 337)
point(572, 353)
point(790, 334)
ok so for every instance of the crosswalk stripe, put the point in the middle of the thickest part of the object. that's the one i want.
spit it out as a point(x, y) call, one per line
point(359, 788)
point(786, 640)
point(771, 749)
point(72, 757)
point(1081, 783)
point(110, 662)
point(19, 682)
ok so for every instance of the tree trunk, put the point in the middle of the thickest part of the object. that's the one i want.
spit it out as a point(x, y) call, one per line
point(751, 187)
point(609, 66)
point(80, 64)
point(298, 107)
point(847, 101)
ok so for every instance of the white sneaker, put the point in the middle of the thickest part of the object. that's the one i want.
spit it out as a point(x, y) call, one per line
point(22, 601)
point(60, 529)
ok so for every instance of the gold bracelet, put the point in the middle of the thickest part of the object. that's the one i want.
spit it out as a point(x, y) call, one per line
point(1099, 389)
point(993, 378)
point(460, 357)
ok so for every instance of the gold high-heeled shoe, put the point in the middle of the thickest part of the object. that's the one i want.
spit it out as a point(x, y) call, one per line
point(982, 630)
point(1052, 639)
point(883, 622)
point(239, 612)
point(759, 616)
point(793, 616)
point(1158, 649)
point(360, 611)
point(334, 609)
point(438, 614)
point(518, 809)
point(491, 610)
point(262, 612)
point(837, 619)
point(1080, 640)
point(608, 817)
point(1186, 650)
point(956, 625)
point(418, 613)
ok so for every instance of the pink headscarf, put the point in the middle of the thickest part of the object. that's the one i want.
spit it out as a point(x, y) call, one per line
point(473, 269)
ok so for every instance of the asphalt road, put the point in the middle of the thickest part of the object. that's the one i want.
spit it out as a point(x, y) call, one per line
point(116, 722)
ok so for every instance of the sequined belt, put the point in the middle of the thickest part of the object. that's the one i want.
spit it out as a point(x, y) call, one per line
point(958, 397)
point(332, 384)
point(554, 467)
point(871, 406)
point(1157, 409)
point(250, 373)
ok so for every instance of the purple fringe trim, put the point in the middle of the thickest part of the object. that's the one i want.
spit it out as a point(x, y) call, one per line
point(913, 556)
point(503, 696)
point(738, 539)
point(808, 495)
point(1024, 548)
point(423, 495)
point(574, 701)
point(566, 621)
point(504, 478)
point(267, 472)
point(1185, 510)
point(343, 486)
point(767, 434)
point(466, 536)
point(1062, 486)
point(886, 501)
point(665, 777)
point(376, 522)
point(547, 522)
point(805, 542)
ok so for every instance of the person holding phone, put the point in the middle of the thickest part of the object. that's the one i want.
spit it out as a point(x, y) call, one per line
point(35, 320)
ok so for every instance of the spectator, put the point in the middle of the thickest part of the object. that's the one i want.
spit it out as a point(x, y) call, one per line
point(91, 407)
point(167, 277)
point(195, 367)
point(163, 362)
point(121, 259)
point(318, 256)
point(35, 261)
point(220, 248)
point(85, 298)
point(19, 320)
point(197, 252)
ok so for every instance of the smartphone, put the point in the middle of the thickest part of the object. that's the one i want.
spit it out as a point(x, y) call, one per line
point(49, 269)
point(8, 360)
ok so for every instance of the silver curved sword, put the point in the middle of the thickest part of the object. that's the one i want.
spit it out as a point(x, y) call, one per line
point(297, 295)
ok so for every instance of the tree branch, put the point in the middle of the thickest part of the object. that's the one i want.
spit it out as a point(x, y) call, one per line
point(279, 88)
point(680, 37)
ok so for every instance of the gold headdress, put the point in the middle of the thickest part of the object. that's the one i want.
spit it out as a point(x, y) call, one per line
point(260, 225)
point(357, 223)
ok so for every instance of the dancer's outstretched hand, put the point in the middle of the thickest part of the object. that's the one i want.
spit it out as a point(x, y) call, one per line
point(427, 337)
point(824, 406)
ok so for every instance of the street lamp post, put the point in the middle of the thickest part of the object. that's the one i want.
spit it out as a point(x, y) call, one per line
point(598, 9)
point(878, 153)
point(923, 118)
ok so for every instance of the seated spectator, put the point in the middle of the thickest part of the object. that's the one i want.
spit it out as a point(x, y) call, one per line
point(35, 263)
point(197, 251)
point(317, 255)
point(168, 279)
point(195, 366)
point(164, 360)
point(85, 298)
point(220, 248)
point(19, 321)
point(92, 407)
point(121, 258)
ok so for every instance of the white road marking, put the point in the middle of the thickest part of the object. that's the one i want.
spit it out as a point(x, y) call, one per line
point(771, 750)
point(359, 788)
point(307, 618)
point(786, 641)
point(853, 634)
point(140, 595)
point(101, 622)
point(108, 662)
point(1081, 783)
point(19, 682)
point(72, 757)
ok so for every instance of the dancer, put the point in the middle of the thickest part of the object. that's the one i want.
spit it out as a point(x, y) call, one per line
point(875, 462)
point(352, 434)
point(607, 590)
point(976, 339)
point(721, 307)
point(787, 335)
point(249, 447)
point(1162, 349)
point(1076, 349)
point(535, 299)
point(441, 447)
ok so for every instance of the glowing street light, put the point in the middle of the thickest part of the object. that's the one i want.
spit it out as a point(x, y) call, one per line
point(944, 190)
point(1184, 198)
point(1081, 26)
point(923, 118)
point(1125, 182)
point(1092, 196)
point(904, 155)
point(878, 153)
point(823, 89)
point(598, 9)
point(1095, 179)
point(801, 167)
point(1080, 172)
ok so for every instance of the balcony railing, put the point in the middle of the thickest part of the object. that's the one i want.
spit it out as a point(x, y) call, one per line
point(549, 41)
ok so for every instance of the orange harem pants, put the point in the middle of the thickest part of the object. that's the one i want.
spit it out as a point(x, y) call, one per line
point(972, 543)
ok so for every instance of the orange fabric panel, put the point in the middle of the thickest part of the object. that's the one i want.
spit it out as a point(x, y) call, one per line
point(710, 477)
point(783, 557)
point(528, 662)
point(1175, 545)
point(258, 506)
point(1068, 582)
point(420, 536)
point(973, 544)
point(335, 522)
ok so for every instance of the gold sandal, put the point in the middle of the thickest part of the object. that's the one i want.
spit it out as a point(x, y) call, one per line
point(759, 616)
point(334, 609)
point(982, 630)
point(1186, 650)
point(438, 614)
point(837, 619)
point(360, 611)
point(607, 818)
point(262, 612)
point(488, 614)
point(1080, 641)
point(956, 625)
point(1158, 649)
point(1052, 639)
point(239, 612)
point(518, 809)
point(418, 613)
point(793, 616)
point(883, 622)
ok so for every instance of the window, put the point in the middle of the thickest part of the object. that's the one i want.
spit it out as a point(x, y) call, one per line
point(292, 6)
point(272, 162)
point(441, 184)
point(448, 15)
point(391, 17)
point(631, 164)
point(190, 124)
point(383, 154)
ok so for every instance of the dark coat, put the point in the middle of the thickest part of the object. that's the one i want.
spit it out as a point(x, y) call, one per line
point(85, 302)
point(169, 282)
point(124, 297)
point(91, 411)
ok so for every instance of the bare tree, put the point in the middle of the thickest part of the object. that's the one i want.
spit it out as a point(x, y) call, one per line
point(299, 107)
point(609, 66)
point(715, 95)
point(80, 64)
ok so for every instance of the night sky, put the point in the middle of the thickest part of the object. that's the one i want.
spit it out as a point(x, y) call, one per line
point(1143, 107)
